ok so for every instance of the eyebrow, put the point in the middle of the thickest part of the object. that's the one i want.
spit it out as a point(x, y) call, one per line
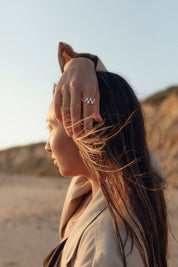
point(51, 121)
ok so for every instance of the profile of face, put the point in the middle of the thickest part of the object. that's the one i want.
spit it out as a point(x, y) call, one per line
point(63, 149)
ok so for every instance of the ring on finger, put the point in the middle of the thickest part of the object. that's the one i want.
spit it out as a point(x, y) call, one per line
point(89, 100)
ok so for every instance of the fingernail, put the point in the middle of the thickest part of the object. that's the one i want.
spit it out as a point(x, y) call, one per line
point(100, 118)
point(70, 134)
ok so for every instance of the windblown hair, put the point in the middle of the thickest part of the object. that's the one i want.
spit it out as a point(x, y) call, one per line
point(115, 152)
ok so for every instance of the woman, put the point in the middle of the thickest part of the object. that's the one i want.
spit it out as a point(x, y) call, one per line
point(115, 212)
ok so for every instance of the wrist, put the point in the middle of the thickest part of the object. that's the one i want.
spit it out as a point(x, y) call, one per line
point(79, 61)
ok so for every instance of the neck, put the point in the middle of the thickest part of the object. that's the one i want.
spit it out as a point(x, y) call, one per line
point(95, 187)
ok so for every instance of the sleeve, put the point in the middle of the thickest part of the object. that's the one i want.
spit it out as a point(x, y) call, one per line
point(98, 259)
point(88, 254)
point(101, 259)
point(66, 53)
point(106, 260)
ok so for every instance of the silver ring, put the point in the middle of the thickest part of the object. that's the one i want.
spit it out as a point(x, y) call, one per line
point(89, 100)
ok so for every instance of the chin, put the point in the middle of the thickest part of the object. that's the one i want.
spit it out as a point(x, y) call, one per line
point(66, 173)
point(69, 173)
point(71, 170)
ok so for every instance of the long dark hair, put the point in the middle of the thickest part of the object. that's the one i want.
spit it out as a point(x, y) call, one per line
point(115, 152)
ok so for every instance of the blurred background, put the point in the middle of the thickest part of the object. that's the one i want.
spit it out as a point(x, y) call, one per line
point(136, 39)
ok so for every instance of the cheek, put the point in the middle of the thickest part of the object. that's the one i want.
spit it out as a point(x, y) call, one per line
point(63, 146)
point(58, 142)
point(68, 157)
point(66, 153)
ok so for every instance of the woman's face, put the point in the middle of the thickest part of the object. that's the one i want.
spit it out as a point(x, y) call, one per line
point(63, 150)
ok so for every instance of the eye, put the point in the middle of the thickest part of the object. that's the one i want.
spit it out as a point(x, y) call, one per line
point(49, 128)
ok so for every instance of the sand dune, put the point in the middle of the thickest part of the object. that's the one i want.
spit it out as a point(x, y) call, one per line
point(162, 128)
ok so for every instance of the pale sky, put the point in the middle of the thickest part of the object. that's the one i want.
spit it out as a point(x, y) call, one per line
point(137, 39)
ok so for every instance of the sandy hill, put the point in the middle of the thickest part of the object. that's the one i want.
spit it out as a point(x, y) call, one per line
point(161, 117)
point(30, 159)
point(159, 97)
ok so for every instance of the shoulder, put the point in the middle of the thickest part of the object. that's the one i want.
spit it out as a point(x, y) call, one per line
point(100, 230)
point(99, 245)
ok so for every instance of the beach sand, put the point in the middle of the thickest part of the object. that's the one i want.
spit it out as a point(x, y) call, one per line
point(30, 209)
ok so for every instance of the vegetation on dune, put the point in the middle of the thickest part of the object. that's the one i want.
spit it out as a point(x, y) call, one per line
point(30, 160)
point(159, 97)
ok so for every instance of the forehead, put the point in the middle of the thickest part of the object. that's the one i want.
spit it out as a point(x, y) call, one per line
point(51, 117)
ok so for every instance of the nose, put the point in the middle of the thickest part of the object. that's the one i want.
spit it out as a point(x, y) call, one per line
point(47, 147)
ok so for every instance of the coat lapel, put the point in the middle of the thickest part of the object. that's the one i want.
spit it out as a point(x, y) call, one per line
point(79, 186)
point(94, 209)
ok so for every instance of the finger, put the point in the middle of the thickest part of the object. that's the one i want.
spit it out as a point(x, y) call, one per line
point(96, 112)
point(57, 105)
point(75, 111)
point(66, 113)
point(88, 115)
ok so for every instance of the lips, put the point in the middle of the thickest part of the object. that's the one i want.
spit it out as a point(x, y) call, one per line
point(54, 161)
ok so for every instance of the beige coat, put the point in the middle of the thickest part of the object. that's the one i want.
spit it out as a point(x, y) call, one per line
point(93, 240)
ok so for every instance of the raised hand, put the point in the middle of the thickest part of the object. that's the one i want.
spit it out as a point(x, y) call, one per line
point(78, 82)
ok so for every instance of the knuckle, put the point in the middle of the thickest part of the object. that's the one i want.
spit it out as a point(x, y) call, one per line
point(74, 84)
point(64, 88)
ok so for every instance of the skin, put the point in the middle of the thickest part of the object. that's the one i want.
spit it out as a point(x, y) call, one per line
point(64, 151)
point(77, 82)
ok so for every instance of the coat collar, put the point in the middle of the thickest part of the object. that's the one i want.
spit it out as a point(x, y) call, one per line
point(79, 186)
